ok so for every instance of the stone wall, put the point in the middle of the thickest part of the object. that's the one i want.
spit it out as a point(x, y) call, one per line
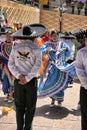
point(20, 13)
point(69, 21)
point(27, 15)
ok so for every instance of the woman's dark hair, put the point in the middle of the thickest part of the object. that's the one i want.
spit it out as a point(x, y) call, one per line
point(54, 31)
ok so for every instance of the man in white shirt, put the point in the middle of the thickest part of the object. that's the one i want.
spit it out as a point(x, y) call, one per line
point(24, 63)
point(81, 70)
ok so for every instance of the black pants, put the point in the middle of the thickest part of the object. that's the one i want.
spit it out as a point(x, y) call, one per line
point(83, 102)
point(25, 101)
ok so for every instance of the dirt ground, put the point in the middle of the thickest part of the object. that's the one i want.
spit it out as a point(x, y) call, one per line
point(46, 118)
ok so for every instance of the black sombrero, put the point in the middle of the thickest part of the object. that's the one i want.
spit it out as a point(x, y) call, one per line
point(4, 30)
point(67, 36)
point(75, 31)
point(30, 31)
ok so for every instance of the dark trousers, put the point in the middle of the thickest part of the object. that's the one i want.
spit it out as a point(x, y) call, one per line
point(83, 102)
point(25, 101)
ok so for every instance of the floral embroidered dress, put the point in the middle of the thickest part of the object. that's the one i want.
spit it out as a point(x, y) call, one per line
point(7, 78)
point(56, 81)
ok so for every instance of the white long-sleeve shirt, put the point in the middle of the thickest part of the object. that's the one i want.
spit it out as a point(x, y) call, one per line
point(25, 59)
point(81, 66)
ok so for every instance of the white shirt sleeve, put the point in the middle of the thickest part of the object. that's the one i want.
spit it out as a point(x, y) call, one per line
point(36, 66)
point(11, 65)
point(80, 69)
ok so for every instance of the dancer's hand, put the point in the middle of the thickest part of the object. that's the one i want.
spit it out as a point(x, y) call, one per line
point(22, 80)
point(0, 54)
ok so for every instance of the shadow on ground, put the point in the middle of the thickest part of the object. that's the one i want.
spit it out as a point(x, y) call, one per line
point(6, 104)
point(76, 81)
point(55, 112)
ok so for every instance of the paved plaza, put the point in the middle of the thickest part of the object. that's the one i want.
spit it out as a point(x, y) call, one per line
point(46, 118)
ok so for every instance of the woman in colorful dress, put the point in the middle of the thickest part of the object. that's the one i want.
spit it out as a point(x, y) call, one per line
point(7, 78)
point(56, 46)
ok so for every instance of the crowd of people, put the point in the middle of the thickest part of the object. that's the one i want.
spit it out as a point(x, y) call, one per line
point(31, 53)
